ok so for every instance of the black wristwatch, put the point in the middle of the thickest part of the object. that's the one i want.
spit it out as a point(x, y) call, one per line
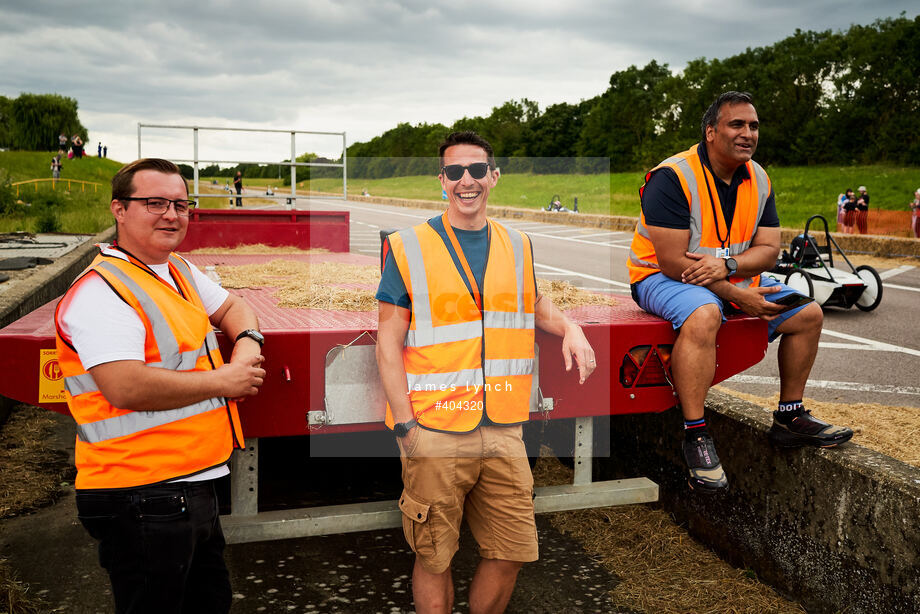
point(401, 429)
point(252, 334)
point(732, 265)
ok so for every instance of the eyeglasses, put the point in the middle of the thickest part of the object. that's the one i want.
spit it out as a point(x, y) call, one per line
point(159, 206)
point(477, 170)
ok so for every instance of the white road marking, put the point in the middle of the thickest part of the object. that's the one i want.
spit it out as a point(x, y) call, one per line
point(828, 385)
point(897, 287)
point(892, 272)
point(574, 240)
point(598, 234)
point(850, 346)
point(582, 275)
point(880, 345)
point(578, 229)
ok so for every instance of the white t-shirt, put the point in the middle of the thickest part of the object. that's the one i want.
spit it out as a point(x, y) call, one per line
point(103, 328)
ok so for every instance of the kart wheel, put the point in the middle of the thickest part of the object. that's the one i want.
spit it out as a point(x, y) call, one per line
point(872, 295)
point(801, 282)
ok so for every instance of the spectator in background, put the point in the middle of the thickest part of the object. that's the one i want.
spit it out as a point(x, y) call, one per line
point(915, 214)
point(841, 212)
point(862, 211)
point(105, 151)
point(849, 213)
point(77, 146)
point(238, 185)
point(56, 166)
point(99, 150)
point(62, 141)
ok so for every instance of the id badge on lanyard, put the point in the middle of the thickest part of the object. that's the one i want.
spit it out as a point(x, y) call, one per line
point(723, 252)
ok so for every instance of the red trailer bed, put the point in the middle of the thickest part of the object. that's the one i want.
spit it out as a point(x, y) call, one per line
point(298, 343)
point(321, 374)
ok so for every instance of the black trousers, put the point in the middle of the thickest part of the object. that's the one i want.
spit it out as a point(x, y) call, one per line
point(162, 547)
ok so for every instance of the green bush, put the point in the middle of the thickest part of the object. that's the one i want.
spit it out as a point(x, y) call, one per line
point(7, 193)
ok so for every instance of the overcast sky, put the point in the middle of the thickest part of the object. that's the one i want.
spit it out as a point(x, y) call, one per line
point(359, 66)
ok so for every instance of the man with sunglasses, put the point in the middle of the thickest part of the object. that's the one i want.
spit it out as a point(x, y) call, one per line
point(155, 404)
point(455, 351)
point(707, 231)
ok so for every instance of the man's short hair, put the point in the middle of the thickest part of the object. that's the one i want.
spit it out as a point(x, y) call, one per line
point(123, 181)
point(466, 137)
point(711, 116)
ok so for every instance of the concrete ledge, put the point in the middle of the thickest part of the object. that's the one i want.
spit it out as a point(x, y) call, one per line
point(834, 529)
point(877, 245)
point(51, 280)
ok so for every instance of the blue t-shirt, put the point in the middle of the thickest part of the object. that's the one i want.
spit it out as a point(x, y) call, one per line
point(475, 246)
point(664, 203)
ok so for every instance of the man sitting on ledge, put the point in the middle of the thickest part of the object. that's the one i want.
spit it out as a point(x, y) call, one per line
point(707, 231)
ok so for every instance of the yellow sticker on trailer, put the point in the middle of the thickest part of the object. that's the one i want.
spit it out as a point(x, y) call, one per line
point(50, 378)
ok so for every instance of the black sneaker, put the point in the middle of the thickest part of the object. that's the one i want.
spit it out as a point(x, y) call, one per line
point(808, 430)
point(706, 475)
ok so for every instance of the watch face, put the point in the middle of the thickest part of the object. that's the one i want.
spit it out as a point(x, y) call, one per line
point(400, 429)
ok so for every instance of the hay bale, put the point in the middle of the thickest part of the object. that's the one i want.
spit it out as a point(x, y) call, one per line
point(351, 287)
point(661, 567)
point(566, 296)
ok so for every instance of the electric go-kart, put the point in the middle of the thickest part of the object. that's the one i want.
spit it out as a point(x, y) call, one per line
point(808, 268)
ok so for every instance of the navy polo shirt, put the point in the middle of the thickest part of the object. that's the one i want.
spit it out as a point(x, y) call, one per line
point(664, 203)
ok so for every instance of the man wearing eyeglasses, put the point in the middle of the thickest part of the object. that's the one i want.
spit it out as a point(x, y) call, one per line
point(155, 404)
point(455, 351)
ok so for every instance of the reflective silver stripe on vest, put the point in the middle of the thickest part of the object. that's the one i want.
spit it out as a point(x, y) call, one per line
point(184, 361)
point(462, 331)
point(166, 341)
point(509, 366)
point(443, 381)
point(80, 384)
point(517, 247)
point(185, 270)
point(421, 308)
point(508, 319)
point(137, 421)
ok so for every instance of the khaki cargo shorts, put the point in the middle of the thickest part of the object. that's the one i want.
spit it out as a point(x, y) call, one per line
point(483, 476)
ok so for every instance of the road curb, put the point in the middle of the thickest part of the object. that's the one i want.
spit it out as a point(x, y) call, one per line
point(50, 281)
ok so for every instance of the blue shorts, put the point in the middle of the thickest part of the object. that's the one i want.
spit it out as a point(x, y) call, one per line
point(675, 301)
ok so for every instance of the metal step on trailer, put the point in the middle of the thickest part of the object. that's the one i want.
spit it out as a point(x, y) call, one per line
point(246, 524)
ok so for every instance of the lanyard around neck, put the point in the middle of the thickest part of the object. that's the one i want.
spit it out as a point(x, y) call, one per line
point(715, 216)
point(463, 262)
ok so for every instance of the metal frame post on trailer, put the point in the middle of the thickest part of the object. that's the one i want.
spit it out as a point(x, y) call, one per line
point(293, 164)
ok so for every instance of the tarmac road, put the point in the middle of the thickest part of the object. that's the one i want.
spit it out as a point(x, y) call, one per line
point(866, 357)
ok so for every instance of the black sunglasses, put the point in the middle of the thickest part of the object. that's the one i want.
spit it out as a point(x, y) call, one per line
point(477, 170)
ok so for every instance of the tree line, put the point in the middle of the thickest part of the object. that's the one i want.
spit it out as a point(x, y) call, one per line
point(32, 122)
point(845, 97)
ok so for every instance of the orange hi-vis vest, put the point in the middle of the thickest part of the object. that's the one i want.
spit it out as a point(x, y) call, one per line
point(702, 197)
point(463, 362)
point(120, 448)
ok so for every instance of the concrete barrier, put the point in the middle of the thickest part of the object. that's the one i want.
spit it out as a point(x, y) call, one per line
point(877, 245)
point(834, 529)
point(50, 280)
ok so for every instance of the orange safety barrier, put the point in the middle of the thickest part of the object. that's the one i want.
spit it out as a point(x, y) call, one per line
point(890, 223)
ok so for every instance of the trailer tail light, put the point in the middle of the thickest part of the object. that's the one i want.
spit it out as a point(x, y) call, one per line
point(646, 365)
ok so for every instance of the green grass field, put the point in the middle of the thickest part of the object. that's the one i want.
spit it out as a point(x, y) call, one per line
point(64, 207)
point(800, 191)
